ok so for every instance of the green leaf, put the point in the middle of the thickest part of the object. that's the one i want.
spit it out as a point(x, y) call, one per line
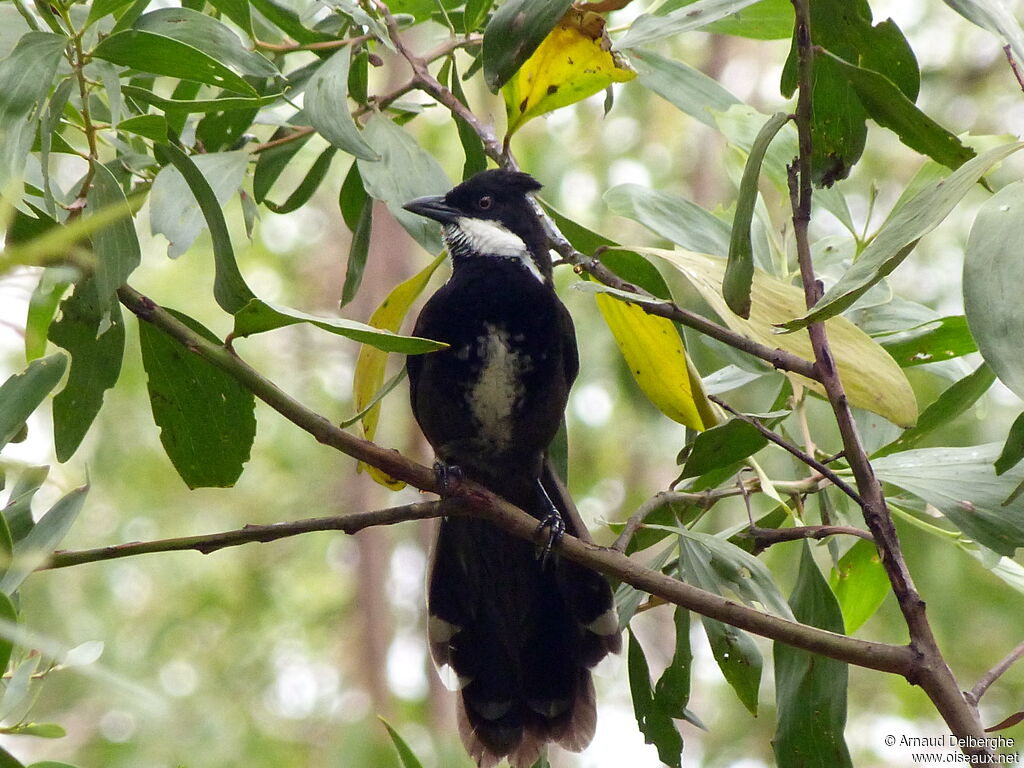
point(950, 404)
point(811, 689)
point(211, 180)
point(1013, 449)
point(258, 316)
point(739, 272)
point(92, 331)
point(406, 755)
point(722, 446)
point(223, 104)
point(7, 760)
point(898, 236)
point(873, 380)
point(715, 565)
point(962, 484)
point(655, 724)
point(206, 418)
point(358, 253)
point(22, 393)
point(890, 108)
point(25, 79)
point(17, 516)
point(101, 8)
point(993, 275)
point(116, 246)
point(273, 161)
point(238, 11)
point(764, 20)
point(289, 22)
point(51, 764)
point(308, 186)
point(671, 216)
point(148, 126)
point(860, 584)
point(648, 28)
point(162, 55)
point(738, 658)
point(719, 566)
point(44, 537)
point(8, 614)
point(514, 32)
point(472, 144)
point(672, 691)
point(685, 87)
point(41, 309)
point(208, 35)
point(326, 105)
point(932, 341)
point(404, 171)
point(40, 730)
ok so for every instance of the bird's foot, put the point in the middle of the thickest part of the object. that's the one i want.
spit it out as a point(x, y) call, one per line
point(449, 477)
point(556, 529)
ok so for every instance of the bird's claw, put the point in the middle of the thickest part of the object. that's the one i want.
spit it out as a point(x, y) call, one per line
point(449, 477)
point(556, 529)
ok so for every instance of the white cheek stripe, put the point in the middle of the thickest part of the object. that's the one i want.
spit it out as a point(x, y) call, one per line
point(491, 237)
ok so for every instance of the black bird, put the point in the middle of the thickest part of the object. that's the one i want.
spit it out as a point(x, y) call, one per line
point(516, 631)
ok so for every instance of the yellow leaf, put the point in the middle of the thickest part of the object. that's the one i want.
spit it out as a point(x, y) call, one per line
point(654, 352)
point(370, 365)
point(573, 62)
point(872, 379)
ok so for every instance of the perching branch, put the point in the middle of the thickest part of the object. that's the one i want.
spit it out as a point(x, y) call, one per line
point(931, 671)
point(472, 498)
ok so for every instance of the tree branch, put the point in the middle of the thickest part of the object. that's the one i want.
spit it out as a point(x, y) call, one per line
point(807, 459)
point(472, 498)
point(931, 671)
point(212, 542)
point(986, 680)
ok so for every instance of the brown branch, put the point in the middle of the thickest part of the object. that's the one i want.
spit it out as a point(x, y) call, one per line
point(1014, 66)
point(323, 45)
point(986, 680)
point(931, 671)
point(474, 499)
point(810, 461)
point(212, 542)
point(765, 537)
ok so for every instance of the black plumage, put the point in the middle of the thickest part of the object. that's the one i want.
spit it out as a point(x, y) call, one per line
point(519, 632)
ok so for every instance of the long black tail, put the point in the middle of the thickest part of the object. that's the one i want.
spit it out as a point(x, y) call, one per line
point(517, 635)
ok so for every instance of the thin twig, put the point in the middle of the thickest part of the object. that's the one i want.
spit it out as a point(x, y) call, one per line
point(780, 441)
point(765, 537)
point(322, 45)
point(212, 542)
point(1014, 66)
point(986, 680)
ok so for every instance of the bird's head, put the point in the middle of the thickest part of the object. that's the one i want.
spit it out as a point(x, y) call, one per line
point(490, 216)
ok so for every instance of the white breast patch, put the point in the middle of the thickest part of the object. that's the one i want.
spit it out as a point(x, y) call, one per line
point(498, 387)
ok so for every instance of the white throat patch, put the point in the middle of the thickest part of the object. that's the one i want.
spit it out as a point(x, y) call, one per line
point(492, 237)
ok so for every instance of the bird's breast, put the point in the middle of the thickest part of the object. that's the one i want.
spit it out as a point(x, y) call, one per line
point(496, 387)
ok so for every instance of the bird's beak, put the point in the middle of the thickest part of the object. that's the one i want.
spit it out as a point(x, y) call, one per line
point(433, 207)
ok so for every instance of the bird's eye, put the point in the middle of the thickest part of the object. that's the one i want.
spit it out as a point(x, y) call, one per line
point(485, 202)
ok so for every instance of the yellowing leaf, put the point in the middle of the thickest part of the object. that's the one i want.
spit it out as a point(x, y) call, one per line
point(657, 360)
point(370, 365)
point(872, 379)
point(573, 62)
